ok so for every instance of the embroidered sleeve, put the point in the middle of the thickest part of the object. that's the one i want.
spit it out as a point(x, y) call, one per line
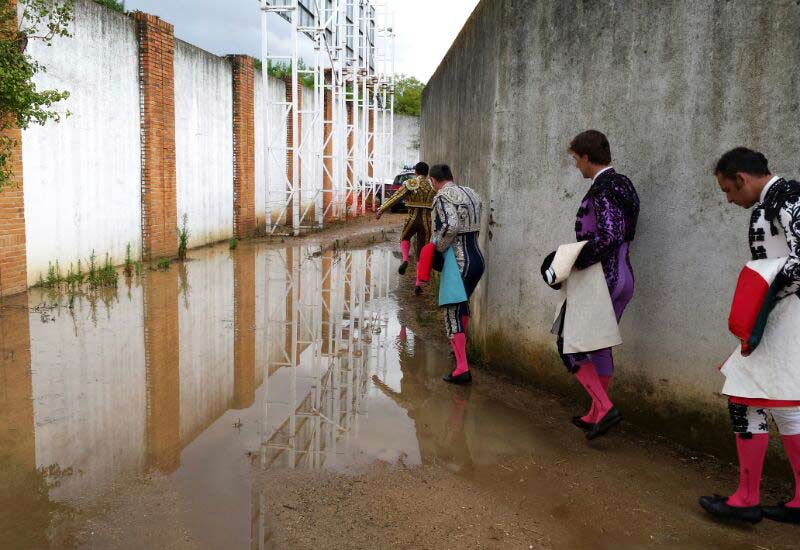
point(399, 194)
point(789, 217)
point(610, 232)
point(445, 224)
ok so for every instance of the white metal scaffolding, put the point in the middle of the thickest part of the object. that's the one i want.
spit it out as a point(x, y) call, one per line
point(326, 336)
point(335, 156)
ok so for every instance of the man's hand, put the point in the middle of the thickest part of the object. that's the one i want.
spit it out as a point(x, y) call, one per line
point(746, 348)
point(378, 214)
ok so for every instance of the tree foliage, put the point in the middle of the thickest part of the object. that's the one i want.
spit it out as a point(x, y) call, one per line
point(21, 102)
point(112, 5)
point(408, 96)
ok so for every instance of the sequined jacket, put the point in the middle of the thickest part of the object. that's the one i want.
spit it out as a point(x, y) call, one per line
point(457, 210)
point(420, 194)
point(775, 232)
point(607, 219)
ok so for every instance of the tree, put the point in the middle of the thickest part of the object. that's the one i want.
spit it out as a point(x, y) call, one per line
point(112, 5)
point(408, 96)
point(21, 102)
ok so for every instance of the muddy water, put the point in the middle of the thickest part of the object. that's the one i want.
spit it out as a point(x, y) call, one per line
point(273, 358)
point(196, 379)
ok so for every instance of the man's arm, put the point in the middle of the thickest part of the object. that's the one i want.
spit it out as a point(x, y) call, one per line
point(789, 218)
point(610, 231)
point(391, 201)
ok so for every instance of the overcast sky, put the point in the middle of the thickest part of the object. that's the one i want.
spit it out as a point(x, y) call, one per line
point(425, 28)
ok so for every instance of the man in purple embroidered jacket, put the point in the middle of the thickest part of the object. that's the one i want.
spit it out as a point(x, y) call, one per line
point(607, 220)
point(763, 374)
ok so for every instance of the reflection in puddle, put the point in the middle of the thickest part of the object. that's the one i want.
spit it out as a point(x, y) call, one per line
point(264, 358)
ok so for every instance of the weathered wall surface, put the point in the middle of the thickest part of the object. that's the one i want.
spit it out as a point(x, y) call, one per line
point(204, 143)
point(406, 142)
point(664, 81)
point(82, 175)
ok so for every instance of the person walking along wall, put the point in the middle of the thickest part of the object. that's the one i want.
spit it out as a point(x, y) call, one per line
point(456, 228)
point(419, 194)
point(606, 220)
point(762, 376)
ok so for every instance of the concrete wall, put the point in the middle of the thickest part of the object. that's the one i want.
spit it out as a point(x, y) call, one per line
point(206, 341)
point(89, 418)
point(406, 142)
point(673, 85)
point(277, 166)
point(204, 143)
point(82, 176)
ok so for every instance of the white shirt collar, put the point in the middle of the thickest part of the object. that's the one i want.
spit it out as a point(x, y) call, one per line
point(607, 168)
point(766, 188)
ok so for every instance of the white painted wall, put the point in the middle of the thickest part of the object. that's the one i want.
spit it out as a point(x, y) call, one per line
point(206, 341)
point(89, 391)
point(406, 142)
point(277, 162)
point(82, 176)
point(204, 143)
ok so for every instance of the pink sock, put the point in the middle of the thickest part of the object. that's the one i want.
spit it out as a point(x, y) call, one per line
point(587, 376)
point(465, 322)
point(459, 344)
point(792, 445)
point(405, 246)
point(751, 461)
point(592, 416)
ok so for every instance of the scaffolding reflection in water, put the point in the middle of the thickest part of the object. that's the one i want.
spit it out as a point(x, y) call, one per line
point(325, 337)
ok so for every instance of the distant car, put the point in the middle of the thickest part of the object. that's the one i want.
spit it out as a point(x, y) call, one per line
point(392, 188)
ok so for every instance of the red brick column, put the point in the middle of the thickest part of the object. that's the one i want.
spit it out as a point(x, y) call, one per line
point(157, 90)
point(162, 367)
point(244, 146)
point(13, 260)
point(290, 153)
point(17, 429)
point(244, 321)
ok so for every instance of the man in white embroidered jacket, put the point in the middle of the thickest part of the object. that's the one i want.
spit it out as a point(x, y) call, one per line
point(763, 377)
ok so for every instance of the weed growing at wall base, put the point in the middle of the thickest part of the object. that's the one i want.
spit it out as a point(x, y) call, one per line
point(183, 238)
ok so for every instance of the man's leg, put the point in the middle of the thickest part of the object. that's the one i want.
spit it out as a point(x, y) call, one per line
point(603, 362)
point(458, 341)
point(405, 241)
point(788, 421)
point(752, 438)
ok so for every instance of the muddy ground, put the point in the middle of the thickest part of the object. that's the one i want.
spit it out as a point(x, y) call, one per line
point(422, 465)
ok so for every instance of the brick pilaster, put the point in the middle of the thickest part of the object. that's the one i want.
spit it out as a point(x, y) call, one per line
point(162, 367)
point(157, 93)
point(244, 146)
point(17, 429)
point(290, 153)
point(244, 321)
point(13, 259)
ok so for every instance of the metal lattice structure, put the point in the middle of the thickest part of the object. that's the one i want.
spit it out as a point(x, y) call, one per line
point(326, 336)
point(338, 145)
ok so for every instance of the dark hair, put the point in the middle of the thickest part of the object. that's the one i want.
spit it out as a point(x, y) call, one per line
point(441, 172)
point(744, 160)
point(421, 168)
point(594, 144)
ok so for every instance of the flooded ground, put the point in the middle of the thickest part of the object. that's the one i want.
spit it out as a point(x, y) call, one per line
point(291, 398)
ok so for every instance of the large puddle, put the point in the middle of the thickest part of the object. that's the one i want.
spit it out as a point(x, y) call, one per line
point(271, 358)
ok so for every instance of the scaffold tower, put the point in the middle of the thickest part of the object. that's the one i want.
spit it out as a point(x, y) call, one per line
point(334, 159)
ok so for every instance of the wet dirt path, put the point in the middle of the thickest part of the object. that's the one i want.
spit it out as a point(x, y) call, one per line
point(278, 397)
